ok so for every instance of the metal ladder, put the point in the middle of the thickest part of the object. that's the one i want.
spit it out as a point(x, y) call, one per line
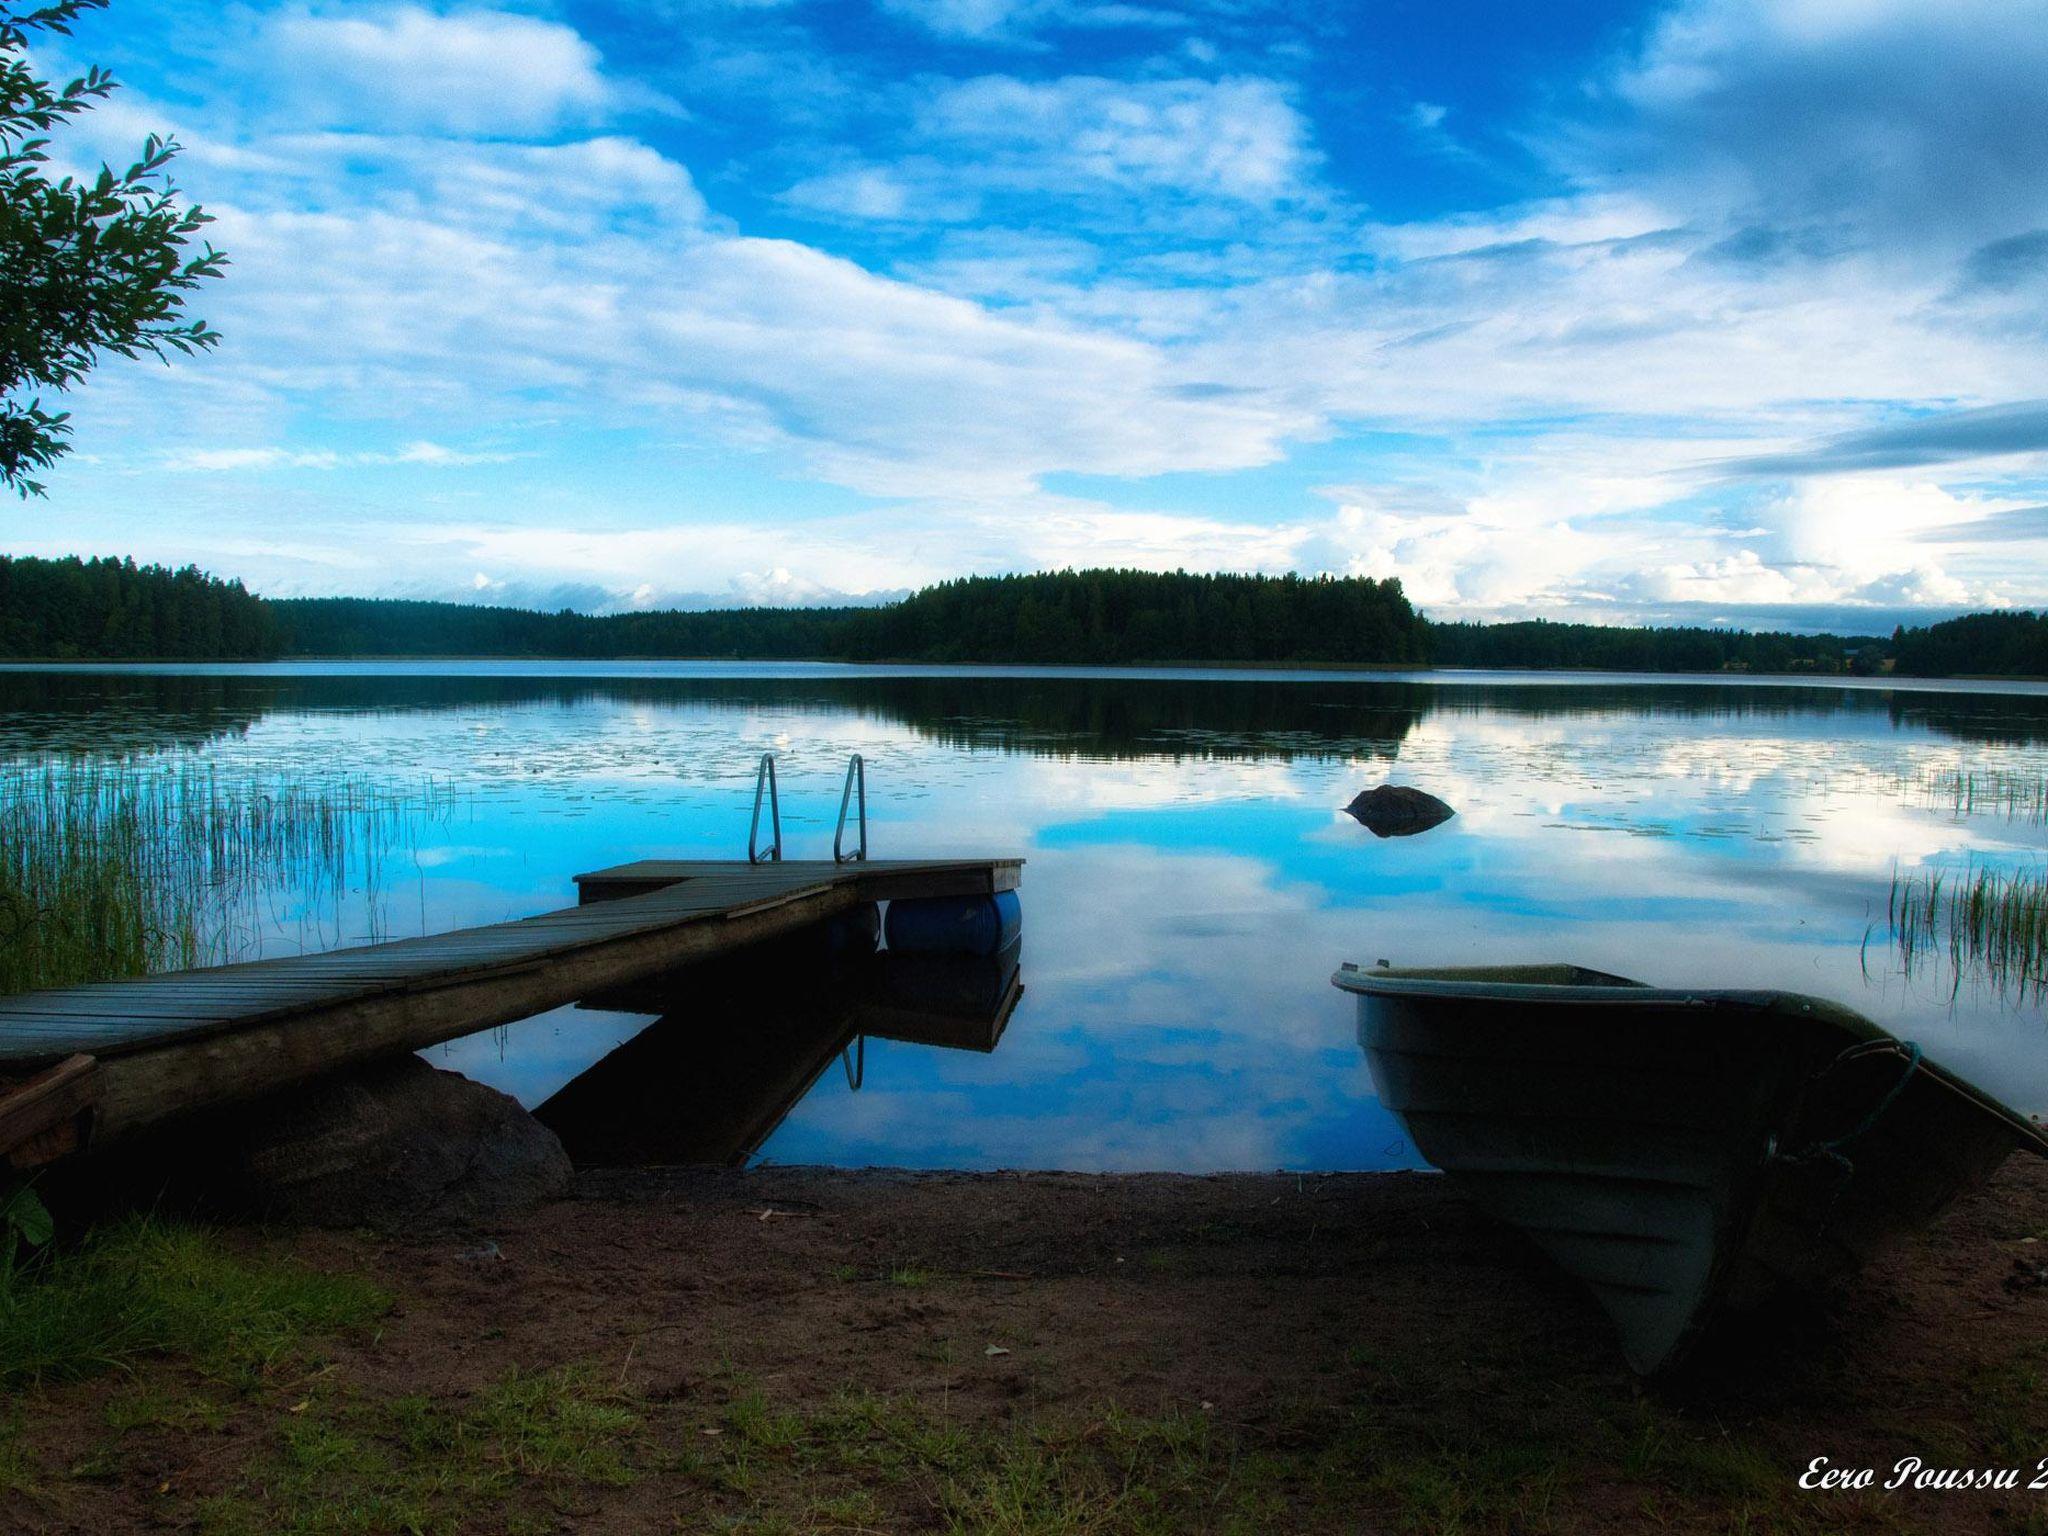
point(764, 783)
point(853, 796)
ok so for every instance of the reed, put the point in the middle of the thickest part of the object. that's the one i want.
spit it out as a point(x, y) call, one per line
point(1987, 923)
point(122, 867)
point(2013, 794)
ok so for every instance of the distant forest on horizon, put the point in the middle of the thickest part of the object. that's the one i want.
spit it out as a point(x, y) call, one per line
point(115, 609)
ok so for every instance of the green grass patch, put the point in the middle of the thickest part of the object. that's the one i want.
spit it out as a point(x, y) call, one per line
point(524, 1446)
point(144, 1287)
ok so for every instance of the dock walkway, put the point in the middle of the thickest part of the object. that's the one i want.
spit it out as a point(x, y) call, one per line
point(92, 1064)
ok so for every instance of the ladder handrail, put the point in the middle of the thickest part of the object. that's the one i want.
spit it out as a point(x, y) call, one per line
point(856, 775)
point(764, 779)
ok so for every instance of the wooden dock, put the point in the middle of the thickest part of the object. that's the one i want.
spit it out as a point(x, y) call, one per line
point(90, 1065)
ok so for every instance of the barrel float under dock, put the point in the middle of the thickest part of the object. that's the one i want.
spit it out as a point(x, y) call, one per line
point(857, 931)
point(954, 925)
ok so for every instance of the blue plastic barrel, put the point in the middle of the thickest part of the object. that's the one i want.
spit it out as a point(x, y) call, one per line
point(954, 925)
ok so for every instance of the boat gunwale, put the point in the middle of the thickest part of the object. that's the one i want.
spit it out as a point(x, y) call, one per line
point(1469, 984)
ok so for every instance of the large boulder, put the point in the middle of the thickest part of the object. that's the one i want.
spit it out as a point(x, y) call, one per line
point(393, 1142)
point(1398, 810)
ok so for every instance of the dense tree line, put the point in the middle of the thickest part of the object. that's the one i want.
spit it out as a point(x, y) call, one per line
point(363, 626)
point(1119, 617)
point(1976, 645)
point(1614, 648)
point(108, 609)
point(1103, 617)
point(115, 609)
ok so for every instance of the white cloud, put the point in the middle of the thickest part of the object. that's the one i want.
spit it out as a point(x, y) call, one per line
point(1838, 544)
point(228, 460)
point(467, 72)
point(916, 189)
point(437, 241)
point(1239, 138)
point(877, 383)
point(988, 21)
point(865, 192)
point(1906, 124)
point(960, 18)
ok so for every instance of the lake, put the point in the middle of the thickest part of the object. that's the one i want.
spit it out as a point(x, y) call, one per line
point(1192, 879)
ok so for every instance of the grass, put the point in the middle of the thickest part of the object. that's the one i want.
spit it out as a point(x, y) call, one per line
point(315, 1455)
point(888, 1463)
point(529, 1443)
point(225, 1415)
point(1985, 923)
point(123, 867)
point(142, 1288)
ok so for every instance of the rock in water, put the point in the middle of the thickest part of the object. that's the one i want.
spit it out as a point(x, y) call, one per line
point(393, 1142)
point(1397, 810)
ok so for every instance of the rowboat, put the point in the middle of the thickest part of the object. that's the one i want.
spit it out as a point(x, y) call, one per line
point(1684, 1153)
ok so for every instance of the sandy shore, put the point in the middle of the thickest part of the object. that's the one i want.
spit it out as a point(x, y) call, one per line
point(1347, 1352)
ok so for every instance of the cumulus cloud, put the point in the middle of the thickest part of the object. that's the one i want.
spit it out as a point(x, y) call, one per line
point(1632, 393)
point(478, 71)
point(1837, 547)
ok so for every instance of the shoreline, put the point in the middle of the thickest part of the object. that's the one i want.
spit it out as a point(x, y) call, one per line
point(782, 668)
point(805, 1348)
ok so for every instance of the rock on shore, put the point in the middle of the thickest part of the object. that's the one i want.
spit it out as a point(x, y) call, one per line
point(396, 1141)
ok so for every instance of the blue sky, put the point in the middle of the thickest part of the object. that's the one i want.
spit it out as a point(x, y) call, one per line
point(1721, 310)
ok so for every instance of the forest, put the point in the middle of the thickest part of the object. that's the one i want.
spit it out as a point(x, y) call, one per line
point(362, 626)
point(109, 609)
point(1617, 648)
point(1076, 617)
point(1976, 645)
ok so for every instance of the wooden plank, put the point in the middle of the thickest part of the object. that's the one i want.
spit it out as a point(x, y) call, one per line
point(39, 1050)
point(35, 1115)
point(880, 879)
point(172, 1044)
point(205, 1070)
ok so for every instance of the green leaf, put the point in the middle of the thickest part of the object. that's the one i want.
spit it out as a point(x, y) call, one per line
point(24, 1216)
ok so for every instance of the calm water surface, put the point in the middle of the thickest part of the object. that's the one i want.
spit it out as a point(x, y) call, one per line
point(1192, 879)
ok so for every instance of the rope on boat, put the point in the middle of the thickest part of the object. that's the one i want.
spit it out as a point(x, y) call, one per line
point(1830, 1151)
point(1913, 1054)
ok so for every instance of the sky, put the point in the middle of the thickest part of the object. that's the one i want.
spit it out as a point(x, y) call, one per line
point(1723, 311)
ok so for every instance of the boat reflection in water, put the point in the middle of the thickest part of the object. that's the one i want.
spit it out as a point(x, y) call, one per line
point(737, 1043)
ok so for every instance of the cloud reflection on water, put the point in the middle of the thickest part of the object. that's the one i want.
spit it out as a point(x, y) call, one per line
point(1192, 881)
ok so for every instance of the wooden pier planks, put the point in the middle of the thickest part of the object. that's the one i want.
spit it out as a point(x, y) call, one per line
point(167, 1045)
point(882, 879)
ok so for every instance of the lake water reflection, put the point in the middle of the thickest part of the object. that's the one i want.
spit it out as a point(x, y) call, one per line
point(1192, 878)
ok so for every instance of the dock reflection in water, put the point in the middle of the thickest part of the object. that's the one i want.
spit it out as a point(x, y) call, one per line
point(736, 1045)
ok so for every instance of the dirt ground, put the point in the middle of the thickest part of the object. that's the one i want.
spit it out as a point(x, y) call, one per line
point(794, 1349)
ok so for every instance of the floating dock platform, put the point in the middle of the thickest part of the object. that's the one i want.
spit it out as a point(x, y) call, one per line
point(87, 1066)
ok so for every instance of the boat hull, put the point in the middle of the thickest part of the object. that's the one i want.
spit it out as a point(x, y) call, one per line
point(1679, 1152)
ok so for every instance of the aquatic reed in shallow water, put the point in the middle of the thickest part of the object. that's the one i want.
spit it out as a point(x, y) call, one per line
point(1987, 923)
point(2013, 794)
point(122, 867)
